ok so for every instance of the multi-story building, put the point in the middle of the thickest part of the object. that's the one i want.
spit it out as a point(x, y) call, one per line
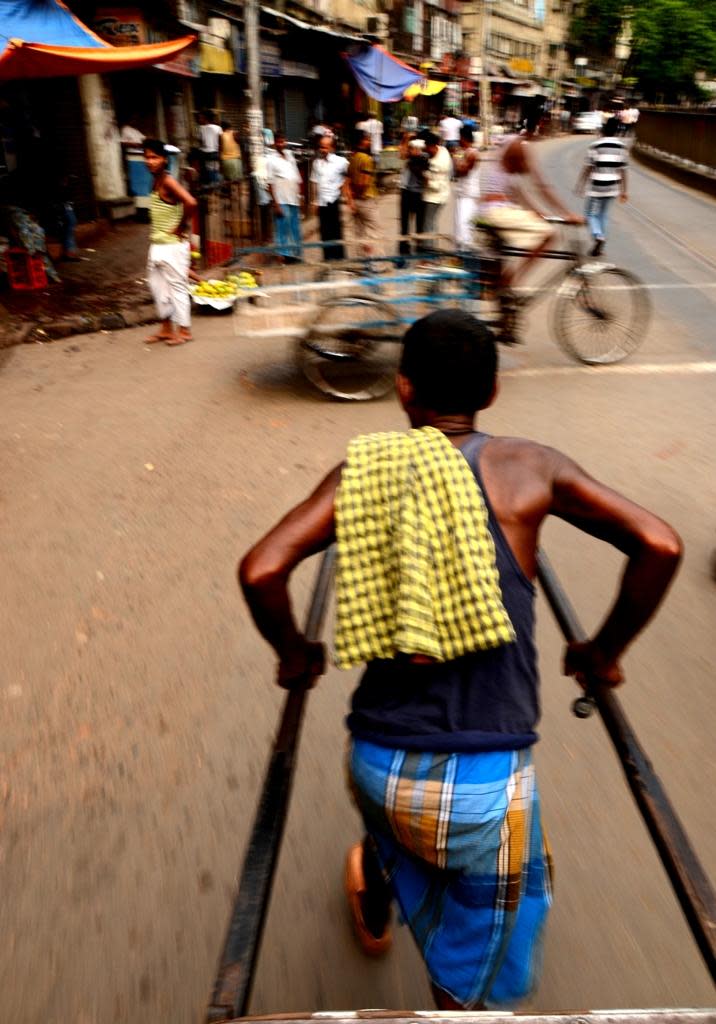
point(423, 31)
point(556, 63)
point(512, 32)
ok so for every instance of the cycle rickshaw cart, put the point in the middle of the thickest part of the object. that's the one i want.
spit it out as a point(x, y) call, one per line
point(232, 987)
point(346, 318)
point(353, 313)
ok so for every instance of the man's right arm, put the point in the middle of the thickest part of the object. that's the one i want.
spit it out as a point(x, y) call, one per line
point(653, 551)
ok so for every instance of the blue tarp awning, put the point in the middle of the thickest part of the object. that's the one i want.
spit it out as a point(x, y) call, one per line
point(381, 75)
point(42, 38)
point(44, 21)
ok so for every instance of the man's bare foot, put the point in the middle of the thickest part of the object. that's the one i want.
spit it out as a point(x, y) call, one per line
point(181, 337)
point(159, 336)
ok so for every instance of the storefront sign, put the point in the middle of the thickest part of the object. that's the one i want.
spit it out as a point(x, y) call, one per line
point(297, 69)
point(270, 56)
point(216, 60)
point(186, 64)
point(522, 66)
point(120, 27)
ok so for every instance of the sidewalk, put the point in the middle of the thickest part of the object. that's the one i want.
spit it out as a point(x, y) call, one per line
point(107, 289)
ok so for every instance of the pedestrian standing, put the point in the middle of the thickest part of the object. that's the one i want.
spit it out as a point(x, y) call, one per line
point(362, 195)
point(412, 182)
point(449, 130)
point(373, 128)
point(130, 136)
point(283, 181)
point(209, 135)
point(603, 178)
point(466, 169)
point(436, 190)
point(328, 176)
point(444, 717)
point(230, 152)
point(169, 249)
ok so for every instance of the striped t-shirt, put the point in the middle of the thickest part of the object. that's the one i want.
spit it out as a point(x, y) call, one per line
point(606, 158)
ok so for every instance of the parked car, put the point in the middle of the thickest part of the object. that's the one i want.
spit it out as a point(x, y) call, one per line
point(587, 121)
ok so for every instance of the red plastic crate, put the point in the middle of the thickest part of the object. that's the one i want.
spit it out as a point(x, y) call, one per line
point(217, 252)
point(25, 272)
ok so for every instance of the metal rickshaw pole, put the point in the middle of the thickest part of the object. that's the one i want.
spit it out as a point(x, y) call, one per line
point(232, 988)
point(688, 878)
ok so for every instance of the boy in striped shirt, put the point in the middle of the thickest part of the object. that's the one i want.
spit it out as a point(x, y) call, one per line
point(605, 177)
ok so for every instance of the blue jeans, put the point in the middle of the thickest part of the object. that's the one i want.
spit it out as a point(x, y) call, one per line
point(287, 232)
point(597, 213)
point(69, 223)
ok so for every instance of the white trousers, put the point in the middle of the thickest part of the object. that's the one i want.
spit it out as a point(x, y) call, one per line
point(167, 271)
point(465, 213)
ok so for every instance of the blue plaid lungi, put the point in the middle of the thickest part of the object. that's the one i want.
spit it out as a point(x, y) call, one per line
point(460, 842)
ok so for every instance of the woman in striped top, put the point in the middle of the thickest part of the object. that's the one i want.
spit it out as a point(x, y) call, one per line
point(169, 250)
point(605, 177)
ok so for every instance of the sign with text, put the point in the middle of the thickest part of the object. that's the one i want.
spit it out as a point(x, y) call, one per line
point(120, 27)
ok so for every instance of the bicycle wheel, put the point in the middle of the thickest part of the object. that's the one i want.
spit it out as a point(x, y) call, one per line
point(601, 314)
point(352, 348)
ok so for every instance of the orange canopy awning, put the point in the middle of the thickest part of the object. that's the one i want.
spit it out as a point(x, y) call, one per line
point(38, 60)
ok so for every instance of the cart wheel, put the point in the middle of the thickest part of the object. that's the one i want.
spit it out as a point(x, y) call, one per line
point(601, 315)
point(352, 348)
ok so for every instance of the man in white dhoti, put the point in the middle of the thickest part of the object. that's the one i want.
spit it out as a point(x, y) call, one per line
point(466, 168)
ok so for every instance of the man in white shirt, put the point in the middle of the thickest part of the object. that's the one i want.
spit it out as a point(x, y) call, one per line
point(284, 186)
point(209, 134)
point(328, 176)
point(436, 190)
point(449, 128)
point(130, 136)
point(374, 128)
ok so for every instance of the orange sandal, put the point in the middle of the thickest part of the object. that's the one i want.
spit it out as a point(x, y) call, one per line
point(355, 887)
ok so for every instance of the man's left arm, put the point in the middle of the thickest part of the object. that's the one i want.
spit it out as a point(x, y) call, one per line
point(624, 195)
point(264, 574)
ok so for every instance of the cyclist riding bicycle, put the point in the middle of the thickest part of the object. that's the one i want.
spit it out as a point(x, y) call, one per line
point(507, 209)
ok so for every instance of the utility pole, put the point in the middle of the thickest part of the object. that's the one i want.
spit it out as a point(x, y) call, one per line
point(485, 94)
point(254, 113)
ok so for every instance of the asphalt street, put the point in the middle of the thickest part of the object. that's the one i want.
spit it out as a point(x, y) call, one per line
point(137, 699)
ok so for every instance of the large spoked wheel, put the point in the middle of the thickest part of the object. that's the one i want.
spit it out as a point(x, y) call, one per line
point(601, 314)
point(352, 348)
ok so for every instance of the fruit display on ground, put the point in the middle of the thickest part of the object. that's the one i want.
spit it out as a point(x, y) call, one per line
point(222, 293)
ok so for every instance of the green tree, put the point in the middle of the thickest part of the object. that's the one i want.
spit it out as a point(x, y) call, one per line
point(596, 26)
point(671, 40)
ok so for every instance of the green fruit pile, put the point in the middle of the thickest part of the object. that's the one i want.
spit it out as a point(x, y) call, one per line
point(242, 280)
point(215, 289)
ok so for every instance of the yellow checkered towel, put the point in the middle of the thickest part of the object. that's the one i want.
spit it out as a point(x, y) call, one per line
point(416, 570)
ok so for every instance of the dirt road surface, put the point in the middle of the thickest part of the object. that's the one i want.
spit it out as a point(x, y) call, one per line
point(137, 700)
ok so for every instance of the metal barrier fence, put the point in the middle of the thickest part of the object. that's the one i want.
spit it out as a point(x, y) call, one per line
point(688, 134)
point(228, 219)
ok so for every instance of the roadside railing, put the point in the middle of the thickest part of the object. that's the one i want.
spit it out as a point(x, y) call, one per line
point(688, 134)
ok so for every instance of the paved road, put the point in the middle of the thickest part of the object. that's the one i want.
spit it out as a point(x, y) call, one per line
point(137, 703)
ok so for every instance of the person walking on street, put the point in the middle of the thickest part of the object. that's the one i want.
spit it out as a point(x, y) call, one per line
point(466, 169)
point(209, 141)
point(283, 180)
point(362, 195)
point(230, 152)
point(436, 190)
point(169, 249)
point(603, 178)
point(328, 176)
point(412, 182)
point(444, 717)
point(449, 129)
